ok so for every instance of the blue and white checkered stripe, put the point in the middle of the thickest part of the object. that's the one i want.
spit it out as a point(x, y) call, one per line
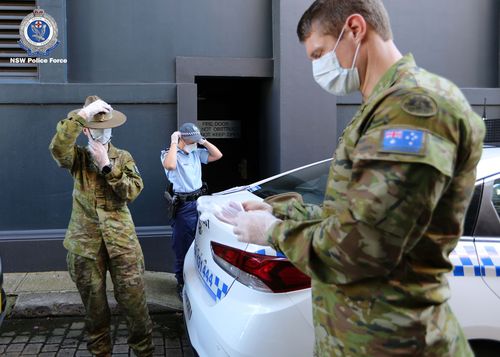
point(217, 289)
point(466, 263)
point(270, 251)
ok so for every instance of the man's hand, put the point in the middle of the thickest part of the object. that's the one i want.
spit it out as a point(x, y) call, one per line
point(249, 226)
point(99, 153)
point(202, 141)
point(174, 138)
point(257, 206)
point(99, 106)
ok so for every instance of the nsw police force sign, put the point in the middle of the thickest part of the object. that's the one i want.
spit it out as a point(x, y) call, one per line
point(38, 33)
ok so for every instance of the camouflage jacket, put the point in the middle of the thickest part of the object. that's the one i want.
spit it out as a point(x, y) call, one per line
point(100, 211)
point(399, 185)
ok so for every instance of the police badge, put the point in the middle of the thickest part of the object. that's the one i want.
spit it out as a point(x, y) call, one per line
point(38, 33)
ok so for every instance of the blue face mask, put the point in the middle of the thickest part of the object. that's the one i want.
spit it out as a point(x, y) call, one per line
point(332, 77)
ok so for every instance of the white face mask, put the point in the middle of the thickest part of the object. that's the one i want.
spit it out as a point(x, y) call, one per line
point(190, 148)
point(101, 135)
point(332, 77)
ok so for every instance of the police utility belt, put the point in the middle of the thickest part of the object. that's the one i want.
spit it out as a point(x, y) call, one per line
point(190, 196)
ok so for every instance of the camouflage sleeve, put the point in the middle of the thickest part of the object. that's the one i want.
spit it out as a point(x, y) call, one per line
point(125, 179)
point(296, 210)
point(391, 197)
point(63, 145)
point(387, 200)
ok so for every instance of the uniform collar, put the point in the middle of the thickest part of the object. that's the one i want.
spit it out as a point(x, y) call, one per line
point(392, 75)
point(112, 151)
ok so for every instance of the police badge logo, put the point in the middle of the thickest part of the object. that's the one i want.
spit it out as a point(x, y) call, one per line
point(38, 33)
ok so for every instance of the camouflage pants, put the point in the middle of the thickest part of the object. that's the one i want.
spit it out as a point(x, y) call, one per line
point(126, 272)
point(376, 328)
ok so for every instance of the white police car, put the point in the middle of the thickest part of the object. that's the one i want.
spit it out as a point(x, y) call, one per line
point(245, 300)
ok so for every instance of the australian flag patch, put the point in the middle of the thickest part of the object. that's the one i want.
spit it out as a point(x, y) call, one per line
point(405, 141)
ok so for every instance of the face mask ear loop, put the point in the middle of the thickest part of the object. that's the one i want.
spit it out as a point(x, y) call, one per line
point(355, 55)
point(338, 41)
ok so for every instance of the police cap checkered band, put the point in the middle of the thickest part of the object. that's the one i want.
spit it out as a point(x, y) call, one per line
point(190, 131)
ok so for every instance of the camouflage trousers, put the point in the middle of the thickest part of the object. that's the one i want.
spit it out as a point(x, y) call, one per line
point(126, 272)
point(376, 328)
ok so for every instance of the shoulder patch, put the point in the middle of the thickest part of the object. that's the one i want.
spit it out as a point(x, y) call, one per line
point(420, 105)
point(403, 141)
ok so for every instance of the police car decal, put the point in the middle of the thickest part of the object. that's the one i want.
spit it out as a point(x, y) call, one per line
point(466, 263)
point(214, 285)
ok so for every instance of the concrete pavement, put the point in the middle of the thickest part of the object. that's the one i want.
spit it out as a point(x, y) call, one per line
point(54, 294)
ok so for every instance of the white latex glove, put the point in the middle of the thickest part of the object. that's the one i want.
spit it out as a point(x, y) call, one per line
point(249, 226)
point(229, 212)
point(252, 226)
point(202, 141)
point(99, 152)
point(99, 106)
point(174, 138)
point(257, 206)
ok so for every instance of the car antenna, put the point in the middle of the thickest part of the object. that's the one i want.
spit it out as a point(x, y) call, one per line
point(484, 110)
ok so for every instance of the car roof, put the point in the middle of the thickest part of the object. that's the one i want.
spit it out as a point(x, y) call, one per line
point(489, 163)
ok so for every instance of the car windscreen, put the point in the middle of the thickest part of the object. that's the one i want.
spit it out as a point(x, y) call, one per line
point(310, 182)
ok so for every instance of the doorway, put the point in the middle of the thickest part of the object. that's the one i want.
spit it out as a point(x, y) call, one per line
point(231, 111)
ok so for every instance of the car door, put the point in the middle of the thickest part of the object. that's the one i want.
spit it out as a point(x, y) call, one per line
point(487, 234)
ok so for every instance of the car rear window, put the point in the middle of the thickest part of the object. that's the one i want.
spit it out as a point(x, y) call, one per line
point(310, 182)
point(473, 211)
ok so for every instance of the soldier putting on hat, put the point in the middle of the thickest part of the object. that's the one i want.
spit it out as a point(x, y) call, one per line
point(182, 163)
point(400, 182)
point(101, 234)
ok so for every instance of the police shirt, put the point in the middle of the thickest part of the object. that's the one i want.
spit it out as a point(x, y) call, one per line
point(186, 177)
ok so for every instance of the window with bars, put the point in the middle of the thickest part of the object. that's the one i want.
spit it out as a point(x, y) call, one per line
point(11, 15)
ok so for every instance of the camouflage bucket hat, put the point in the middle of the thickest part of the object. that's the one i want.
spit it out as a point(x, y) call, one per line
point(191, 132)
point(102, 120)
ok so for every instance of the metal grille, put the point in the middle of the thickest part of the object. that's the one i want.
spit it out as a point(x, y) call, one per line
point(12, 14)
point(492, 130)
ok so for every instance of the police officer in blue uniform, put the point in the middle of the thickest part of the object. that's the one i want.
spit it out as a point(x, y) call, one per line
point(182, 163)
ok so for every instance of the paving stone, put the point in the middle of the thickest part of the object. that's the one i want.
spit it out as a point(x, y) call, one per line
point(172, 343)
point(50, 348)
point(47, 354)
point(66, 352)
point(5, 340)
point(58, 331)
point(16, 348)
point(120, 349)
point(32, 349)
point(21, 339)
point(36, 339)
point(69, 342)
point(83, 354)
point(55, 339)
point(74, 333)
point(77, 326)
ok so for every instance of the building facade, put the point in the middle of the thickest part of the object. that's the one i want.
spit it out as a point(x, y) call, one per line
point(234, 66)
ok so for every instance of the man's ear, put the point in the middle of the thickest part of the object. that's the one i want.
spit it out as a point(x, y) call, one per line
point(86, 131)
point(357, 26)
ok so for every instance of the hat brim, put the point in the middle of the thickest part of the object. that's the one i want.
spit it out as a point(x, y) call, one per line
point(194, 138)
point(117, 119)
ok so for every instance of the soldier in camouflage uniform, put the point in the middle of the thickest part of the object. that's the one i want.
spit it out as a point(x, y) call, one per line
point(101, 234)
point(399, 186)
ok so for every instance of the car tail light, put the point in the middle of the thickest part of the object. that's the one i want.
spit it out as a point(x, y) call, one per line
point(260, 272)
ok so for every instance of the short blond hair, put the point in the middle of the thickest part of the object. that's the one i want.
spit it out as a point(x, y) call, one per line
point(332, 14)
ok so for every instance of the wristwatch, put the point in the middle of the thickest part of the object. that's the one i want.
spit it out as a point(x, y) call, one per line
point(107, 169)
